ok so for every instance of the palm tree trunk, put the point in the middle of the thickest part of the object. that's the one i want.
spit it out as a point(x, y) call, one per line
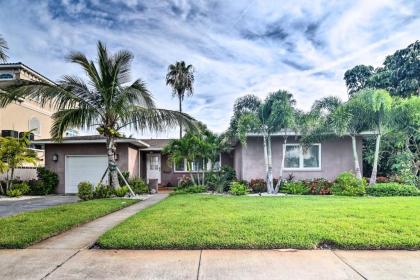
point(355, 157)
point(269, 190)
point(375, 161)
point(10, 179)
point(112, 166)
point(270, 165)
point(180, 110)
point(281, 166)
point(191, 174)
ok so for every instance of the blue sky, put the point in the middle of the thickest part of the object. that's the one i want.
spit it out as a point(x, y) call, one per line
point(236, 47)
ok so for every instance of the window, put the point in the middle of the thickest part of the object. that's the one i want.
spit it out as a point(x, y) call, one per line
point(154, 163)
point(299, 157)
point(197, 165)
point(6, 76)
point(35, 126)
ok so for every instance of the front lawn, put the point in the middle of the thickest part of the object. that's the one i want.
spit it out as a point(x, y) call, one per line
point(205, 221)
point(24, 229)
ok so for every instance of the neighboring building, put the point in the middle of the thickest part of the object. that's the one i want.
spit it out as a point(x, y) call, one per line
point(27, 115)
point(83, 158)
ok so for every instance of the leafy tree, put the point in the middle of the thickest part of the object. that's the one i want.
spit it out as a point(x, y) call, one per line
point(275, 114)
point(378, 104)
point(3, 48)
point(107, 100)
point(181, 78)
point(357, 78)
point(14, 152)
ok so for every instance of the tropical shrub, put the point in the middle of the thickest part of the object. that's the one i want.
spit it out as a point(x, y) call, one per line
point(348, 184)
point(85, 190)
point(102, 191)
point(126, 176)
point(295, 187)
point(318, 186)
point(190, 189)
point(258, 185)
point(392, 189)
point(22, 188)
point(14, 192)
point(49, 181)
point(138, 185)
point(185, 182)
point(121, 192)
point(238, 188)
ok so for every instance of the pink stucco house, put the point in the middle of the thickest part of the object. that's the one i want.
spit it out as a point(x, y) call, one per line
point(83, 158)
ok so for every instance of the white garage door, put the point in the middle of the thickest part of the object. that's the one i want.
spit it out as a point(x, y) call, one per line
point(84, 168)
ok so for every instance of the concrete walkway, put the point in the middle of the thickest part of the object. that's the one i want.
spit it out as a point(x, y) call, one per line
point(207, 264)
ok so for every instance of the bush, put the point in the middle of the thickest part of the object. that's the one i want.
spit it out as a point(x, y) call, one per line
point(121, 192)
point(238, 188)
point(190, 189)
point(49, 181)
point(23, 188)
point(85, 190)
point(347, 184)
point(102, 191)
point(258, 185)
point(295, 187)
point(126, 176)
point(138, 185)
point(37, 187)
point(184, 182)
point(220, 181)
point(319, 186)
point(14, 193)
point(392, 189)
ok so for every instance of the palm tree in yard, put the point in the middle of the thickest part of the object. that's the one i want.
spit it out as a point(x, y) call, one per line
point(181, 78)
point(3, 48)
point(105, 100)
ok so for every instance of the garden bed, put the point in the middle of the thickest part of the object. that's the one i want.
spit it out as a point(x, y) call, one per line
point(307, 222)
point(22, 230)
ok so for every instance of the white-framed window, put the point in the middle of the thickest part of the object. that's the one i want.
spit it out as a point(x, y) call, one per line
point(198, 165)
point(34, 125)
point(154, 162)
point(5, 76)
point(298, 157)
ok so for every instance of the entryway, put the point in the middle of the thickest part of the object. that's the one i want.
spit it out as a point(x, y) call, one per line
point(153, 163)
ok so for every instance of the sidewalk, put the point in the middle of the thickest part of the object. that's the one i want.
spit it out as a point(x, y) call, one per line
point(208, 264)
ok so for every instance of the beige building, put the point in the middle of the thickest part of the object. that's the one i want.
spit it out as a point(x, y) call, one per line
point(27, 115)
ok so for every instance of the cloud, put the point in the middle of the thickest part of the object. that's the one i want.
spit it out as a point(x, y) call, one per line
point(236, 47)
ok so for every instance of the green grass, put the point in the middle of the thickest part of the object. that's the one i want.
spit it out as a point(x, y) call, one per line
point(22, 230)
point(306, 222)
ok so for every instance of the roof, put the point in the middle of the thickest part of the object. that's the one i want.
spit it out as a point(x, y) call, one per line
point(91, 139)
point(156, 144)
point(27, 68)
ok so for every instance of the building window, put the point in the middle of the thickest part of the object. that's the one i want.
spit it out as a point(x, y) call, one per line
point(35, 125)
point(6, 76)
point(197, 165)
point(299, 157)
point(154, 162)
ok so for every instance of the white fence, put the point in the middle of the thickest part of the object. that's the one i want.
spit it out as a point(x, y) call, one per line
point(22, 174)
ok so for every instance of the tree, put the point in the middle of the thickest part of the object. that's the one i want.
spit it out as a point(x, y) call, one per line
point(14, 152)
point(275, 114)
point(3, 48)
point(357, 78)
point(106, 101)
point(378, 104)
point(181, 78)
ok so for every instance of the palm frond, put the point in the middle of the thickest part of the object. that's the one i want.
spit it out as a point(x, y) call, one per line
point(81, 117)
point(3, 48)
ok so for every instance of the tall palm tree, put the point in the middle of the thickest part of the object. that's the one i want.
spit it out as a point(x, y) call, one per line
point(181, 78)
point(3, 48)
point(106, 100)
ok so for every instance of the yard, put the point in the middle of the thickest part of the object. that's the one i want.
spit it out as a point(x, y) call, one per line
point(24, 229)
point(306, 222)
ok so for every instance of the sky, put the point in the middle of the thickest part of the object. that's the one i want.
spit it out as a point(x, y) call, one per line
point(236, 47)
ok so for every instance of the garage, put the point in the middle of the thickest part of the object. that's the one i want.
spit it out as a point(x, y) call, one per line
point(83, 168)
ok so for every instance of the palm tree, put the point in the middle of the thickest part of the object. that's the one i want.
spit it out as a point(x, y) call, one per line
point(181, 78)
point(106, 100)
point(275, 114)
point(3, 48)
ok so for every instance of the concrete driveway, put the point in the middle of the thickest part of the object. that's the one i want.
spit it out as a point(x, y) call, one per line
point(11, 207)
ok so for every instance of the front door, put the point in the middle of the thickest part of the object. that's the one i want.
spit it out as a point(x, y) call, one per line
point(153, 167)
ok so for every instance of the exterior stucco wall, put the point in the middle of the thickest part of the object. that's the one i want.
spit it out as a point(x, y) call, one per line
point(63, 150)
point(336, 157)
point(237, 160)
point(133, 161)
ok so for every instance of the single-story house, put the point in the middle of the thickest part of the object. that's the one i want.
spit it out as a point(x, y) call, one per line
point(83, 158)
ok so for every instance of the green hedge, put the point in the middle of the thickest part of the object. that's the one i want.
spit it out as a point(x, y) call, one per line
point(392, 189)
